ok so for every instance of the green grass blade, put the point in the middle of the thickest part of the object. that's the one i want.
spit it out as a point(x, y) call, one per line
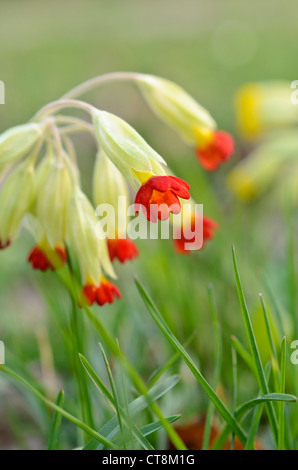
point(218, 363)
point(234, 388)
point(56, 423)
point(111, 399)
point(77, 328)
point(55, 407)
point(111, 429)
point(162, 370)
point(115, 395)
point(274, 359)
point(255, 423)
point(154, 427)
point(255, 351)
point(157, 425)
point(257, 415)
point(222, 438)
point(224, 412)
point(125, 399)
point(244, 354)
point(281, 418)
point(280, 397)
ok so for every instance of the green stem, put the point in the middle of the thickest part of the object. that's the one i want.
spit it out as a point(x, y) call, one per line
point(56, 106)
point(98, 81)
point(255, 351)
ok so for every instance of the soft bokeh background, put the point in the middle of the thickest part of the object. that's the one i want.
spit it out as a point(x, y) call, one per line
point(210, 48)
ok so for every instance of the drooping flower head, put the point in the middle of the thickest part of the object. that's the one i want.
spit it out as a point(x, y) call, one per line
point(214, 148)
point(192, 229)
point(141, 165)
point(44, 191)
point(122, 249)
point(43, 257)
point(158, 197)
point(181, 242)
point(110, 188)
point(84, 234)
point(178, 109)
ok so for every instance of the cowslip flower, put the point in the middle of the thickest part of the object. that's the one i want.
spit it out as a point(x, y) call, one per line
point(209, 227)
point(45, 190)
point(91, 251)
point(270, 162)
point(53, 194)
point(213, 148)
point(158, 197)
point(264, 106)
point(110, 187)
point(178, 109)
point(193, 229)
point(141, 165)
point(43, 257)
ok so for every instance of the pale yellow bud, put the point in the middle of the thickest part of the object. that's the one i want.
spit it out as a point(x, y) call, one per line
point(129, 152)
point(52, 200)
point(109, 185)
point(83, 236)
point(174, 106)
point(16, 199)
point(16, 142)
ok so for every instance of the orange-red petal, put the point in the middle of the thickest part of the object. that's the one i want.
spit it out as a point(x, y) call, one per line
point(106, 293)
point(209, 226)
point(122, 249)
point(219, 150)
point(89, 292)
point(38, 259)
point(158, 197)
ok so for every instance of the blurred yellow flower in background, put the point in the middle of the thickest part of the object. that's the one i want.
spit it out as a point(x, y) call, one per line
point(271, 163)
point(263, 106)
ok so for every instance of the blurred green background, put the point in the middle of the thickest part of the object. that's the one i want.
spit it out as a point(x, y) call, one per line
point(209, 48)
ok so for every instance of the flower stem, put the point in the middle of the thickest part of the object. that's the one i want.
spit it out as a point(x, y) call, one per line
point(56, 106)
point(98, 81)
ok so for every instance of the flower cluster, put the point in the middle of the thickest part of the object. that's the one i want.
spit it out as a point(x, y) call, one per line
point(40, 183)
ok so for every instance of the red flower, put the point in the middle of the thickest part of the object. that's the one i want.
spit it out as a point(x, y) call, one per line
point(102, 294)
point(123, 249)
point(106, 293)
point(209, 226)
point(219, 150)
point(89, 294)
point(159, 197)
point(39, 260)
point(4, 245)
